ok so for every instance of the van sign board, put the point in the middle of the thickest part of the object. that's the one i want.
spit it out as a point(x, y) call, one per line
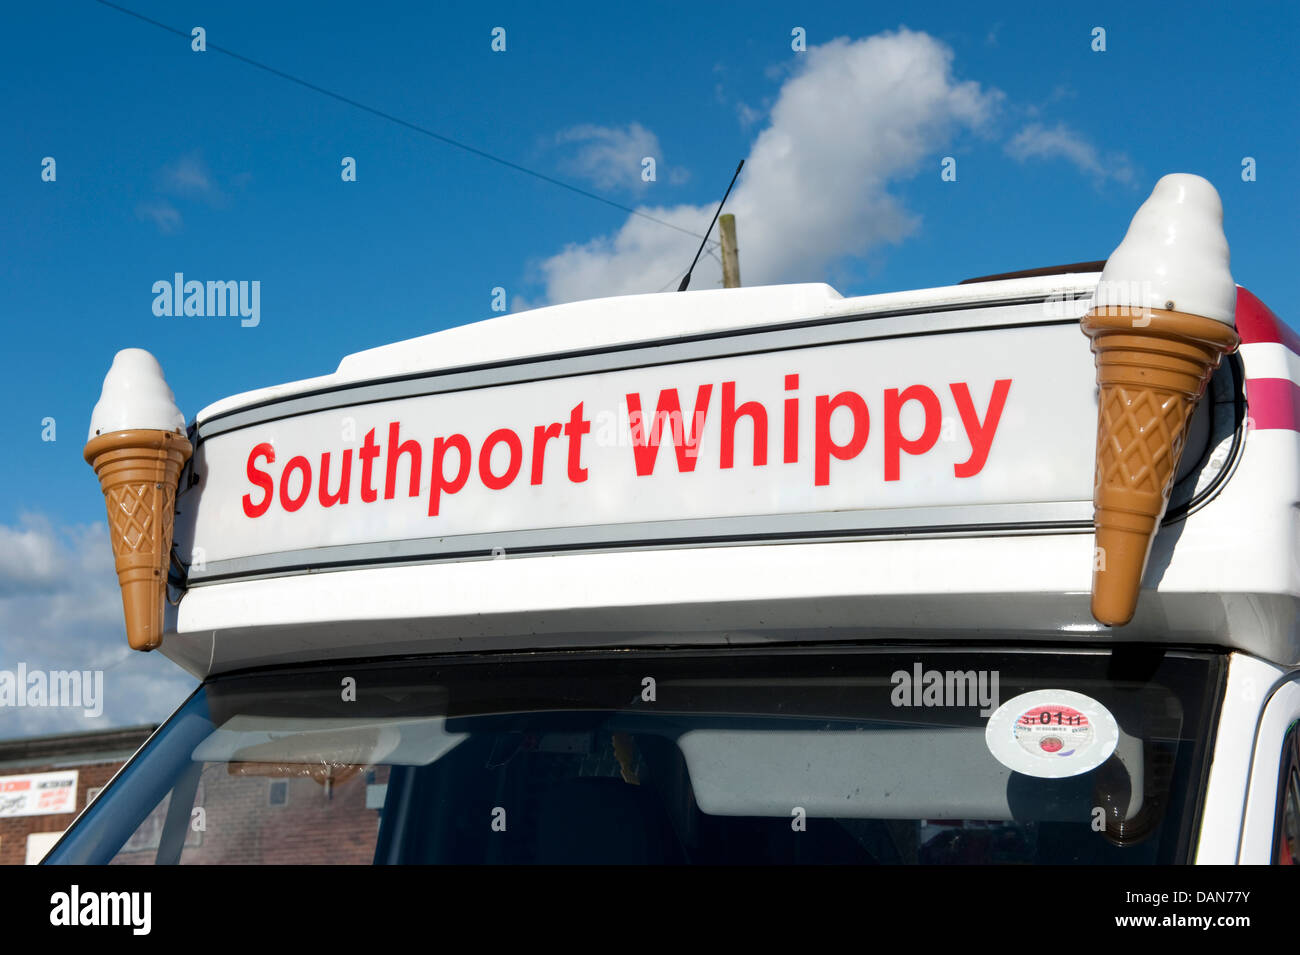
point(960, 420)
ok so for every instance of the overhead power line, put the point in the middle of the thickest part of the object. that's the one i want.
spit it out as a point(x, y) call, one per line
point(414, 127)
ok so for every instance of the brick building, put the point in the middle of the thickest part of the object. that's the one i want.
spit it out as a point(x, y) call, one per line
point(272, 814)
point(251, 813)
point(77, 763)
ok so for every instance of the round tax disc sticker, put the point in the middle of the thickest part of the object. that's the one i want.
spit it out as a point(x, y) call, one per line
point(1051, 734)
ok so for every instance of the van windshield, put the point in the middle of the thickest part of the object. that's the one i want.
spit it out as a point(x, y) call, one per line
point(748, 756)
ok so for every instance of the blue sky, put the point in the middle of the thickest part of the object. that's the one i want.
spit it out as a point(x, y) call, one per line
point(171, 161)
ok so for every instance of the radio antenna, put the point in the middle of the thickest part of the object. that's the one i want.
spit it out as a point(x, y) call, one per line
point(686, 279)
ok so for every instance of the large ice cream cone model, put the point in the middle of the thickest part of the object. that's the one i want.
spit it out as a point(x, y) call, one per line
point(138, 472)
point(1161, 322)
point(138, 463)
point(1149, 380)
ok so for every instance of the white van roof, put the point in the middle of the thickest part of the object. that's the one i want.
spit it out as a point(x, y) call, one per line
point(632, 319)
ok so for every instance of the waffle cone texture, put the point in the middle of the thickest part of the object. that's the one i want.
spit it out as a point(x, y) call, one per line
point(138, 472)
point(1152, 368)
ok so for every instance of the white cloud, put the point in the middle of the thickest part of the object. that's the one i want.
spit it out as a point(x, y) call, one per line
point(189, 179)
point(61, 609)
point(642, 256)
point(189, 176)
point(162, 214)
point(1037, 141)
point(609, 157)
point(30, 558)
point(851, 119)
point(747, 115)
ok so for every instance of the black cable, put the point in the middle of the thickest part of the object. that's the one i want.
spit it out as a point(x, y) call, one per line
point(402, 122)
point(686, 279)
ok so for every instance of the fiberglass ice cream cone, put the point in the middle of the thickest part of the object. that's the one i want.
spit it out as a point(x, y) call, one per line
point(1160, 323)
point(137, 447)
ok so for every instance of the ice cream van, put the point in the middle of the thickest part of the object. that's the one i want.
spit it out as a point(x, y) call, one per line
point(998, 572)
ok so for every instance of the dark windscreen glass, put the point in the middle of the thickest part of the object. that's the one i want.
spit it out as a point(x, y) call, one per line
point(743, 756)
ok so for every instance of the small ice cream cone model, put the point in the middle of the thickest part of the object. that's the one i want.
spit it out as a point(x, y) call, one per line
point(1160, 323)
point(137, 447)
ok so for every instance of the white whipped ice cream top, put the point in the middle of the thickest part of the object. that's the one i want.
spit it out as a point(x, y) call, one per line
point(135, 397)
point(1175, 255)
